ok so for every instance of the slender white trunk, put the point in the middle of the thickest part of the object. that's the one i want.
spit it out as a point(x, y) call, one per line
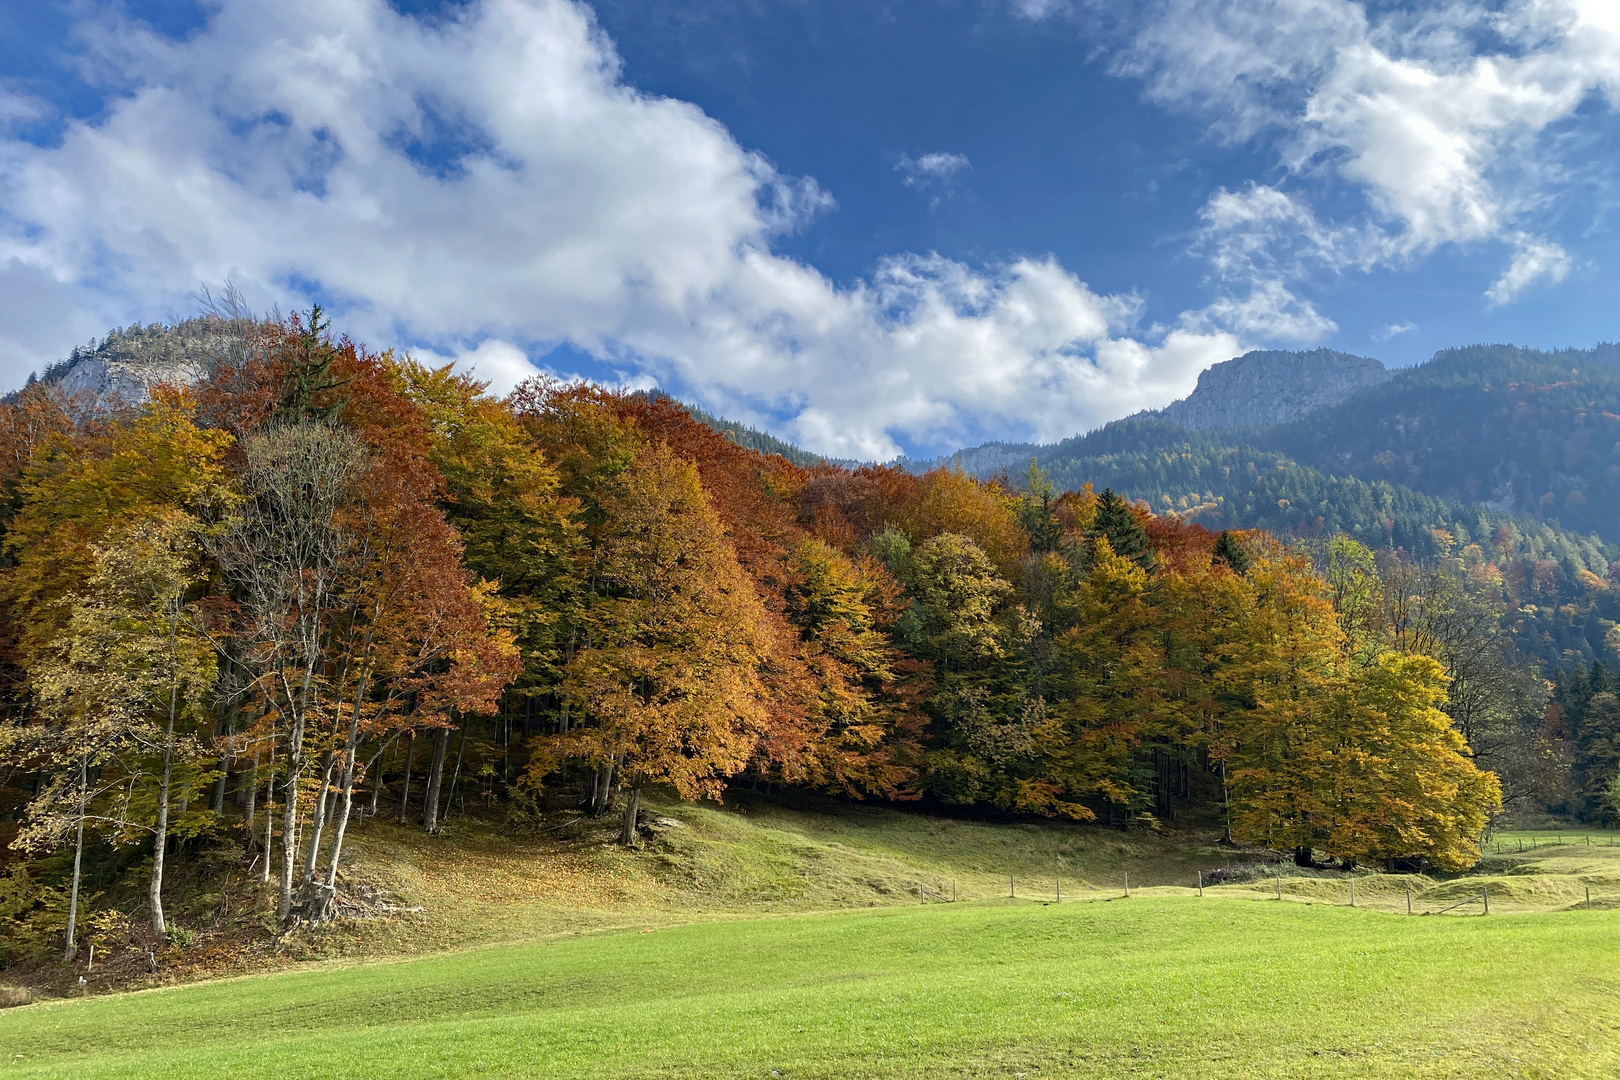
point(160, 837)
point(289, 817)
point(318, 817)
point(351, 753)
point(250, 799)
point(435, 780)
point(270, 809)
point(405, 789)
point(78, 859)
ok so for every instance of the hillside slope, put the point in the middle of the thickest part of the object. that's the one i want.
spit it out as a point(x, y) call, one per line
point(1514, 451)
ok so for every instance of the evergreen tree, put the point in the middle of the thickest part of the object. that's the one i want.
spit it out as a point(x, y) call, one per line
point(1230, 552)
point(308, 384)
point(1117, 521)
point(1036, 512)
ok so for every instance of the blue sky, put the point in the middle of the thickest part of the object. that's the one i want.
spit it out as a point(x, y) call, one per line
point(871, 227)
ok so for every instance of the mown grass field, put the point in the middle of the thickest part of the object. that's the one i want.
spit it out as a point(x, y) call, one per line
point(1171, 987)
point(762, 939)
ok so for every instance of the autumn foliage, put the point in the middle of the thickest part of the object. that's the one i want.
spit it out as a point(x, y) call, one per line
point(254, 607)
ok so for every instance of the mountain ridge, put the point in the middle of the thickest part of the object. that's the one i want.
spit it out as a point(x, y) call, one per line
point(1272, 387)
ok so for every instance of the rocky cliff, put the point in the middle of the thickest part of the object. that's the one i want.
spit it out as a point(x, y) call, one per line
point(129, 362)
point(1272, 388)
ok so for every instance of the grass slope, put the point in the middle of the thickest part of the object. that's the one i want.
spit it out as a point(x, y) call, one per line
point(711, 953)
point(479, 884)
point(1165, 986)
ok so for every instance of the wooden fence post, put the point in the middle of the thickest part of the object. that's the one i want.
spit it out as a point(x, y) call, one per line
point(1127, 883)
point(1485, 895)
point(1352, 890)
point(1200, 883)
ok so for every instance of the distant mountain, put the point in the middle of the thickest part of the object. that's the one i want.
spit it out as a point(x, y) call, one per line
point(1262, 388)
point(1514, 451)
point(1255, 389)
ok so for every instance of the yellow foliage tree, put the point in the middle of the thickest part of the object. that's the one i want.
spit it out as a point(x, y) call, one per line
point(669, 682)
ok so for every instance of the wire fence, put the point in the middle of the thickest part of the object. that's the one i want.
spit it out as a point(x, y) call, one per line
point(1384, 896)
point(1519, 845)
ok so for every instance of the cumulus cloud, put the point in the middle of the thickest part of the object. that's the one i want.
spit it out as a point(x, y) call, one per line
point(1442, 117)
point(487, 185)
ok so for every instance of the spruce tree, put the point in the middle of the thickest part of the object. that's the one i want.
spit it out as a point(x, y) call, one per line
point(1230, 552)
point(1125, 534)
point(309, 374)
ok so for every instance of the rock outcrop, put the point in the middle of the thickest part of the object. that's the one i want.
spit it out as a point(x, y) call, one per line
point(129, 362)
point(1272, 388)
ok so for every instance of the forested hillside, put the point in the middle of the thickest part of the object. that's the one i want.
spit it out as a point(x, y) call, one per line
point(1509, 457)
point(314, 583)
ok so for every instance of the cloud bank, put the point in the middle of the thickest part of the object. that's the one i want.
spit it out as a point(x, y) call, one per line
point(1444, 118)
point(488, 186)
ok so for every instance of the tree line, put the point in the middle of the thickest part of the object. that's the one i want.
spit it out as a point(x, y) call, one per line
point(319, 582)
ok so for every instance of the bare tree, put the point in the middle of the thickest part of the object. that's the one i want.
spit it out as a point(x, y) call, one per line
point(291, 553)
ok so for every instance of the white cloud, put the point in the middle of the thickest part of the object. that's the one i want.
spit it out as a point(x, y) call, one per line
point(1395, 330)
point(499, 363)
point(1036, 10)
point(17, 109)
point(921, 172)
point(1535, 259)
point(1442, 117)
point(488, 184)
point(1268, 312)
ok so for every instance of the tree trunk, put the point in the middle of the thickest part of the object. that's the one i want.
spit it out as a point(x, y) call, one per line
point(78, 861)
point(455, 777)
point(405, 790)
point(632, 809)
point(269, 810)
point(289, 817)
point(319, 816)
point(160, 836)
point(217, 803)
point(430, 804)
point(249, 789)
point(325, 906)
point(602, 788)
point(1226, 808)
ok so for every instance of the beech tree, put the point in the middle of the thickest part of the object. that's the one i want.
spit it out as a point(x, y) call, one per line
point(670, 676)
point(1353, 758)
point(293, 555)
point(108, 548)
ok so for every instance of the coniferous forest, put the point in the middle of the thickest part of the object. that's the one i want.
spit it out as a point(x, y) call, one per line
point(311, 583)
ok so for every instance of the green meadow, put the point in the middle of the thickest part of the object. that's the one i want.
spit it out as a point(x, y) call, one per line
point(714, 954)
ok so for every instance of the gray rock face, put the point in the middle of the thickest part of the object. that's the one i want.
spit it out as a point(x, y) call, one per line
point(129, 362)
point(1272, 388)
